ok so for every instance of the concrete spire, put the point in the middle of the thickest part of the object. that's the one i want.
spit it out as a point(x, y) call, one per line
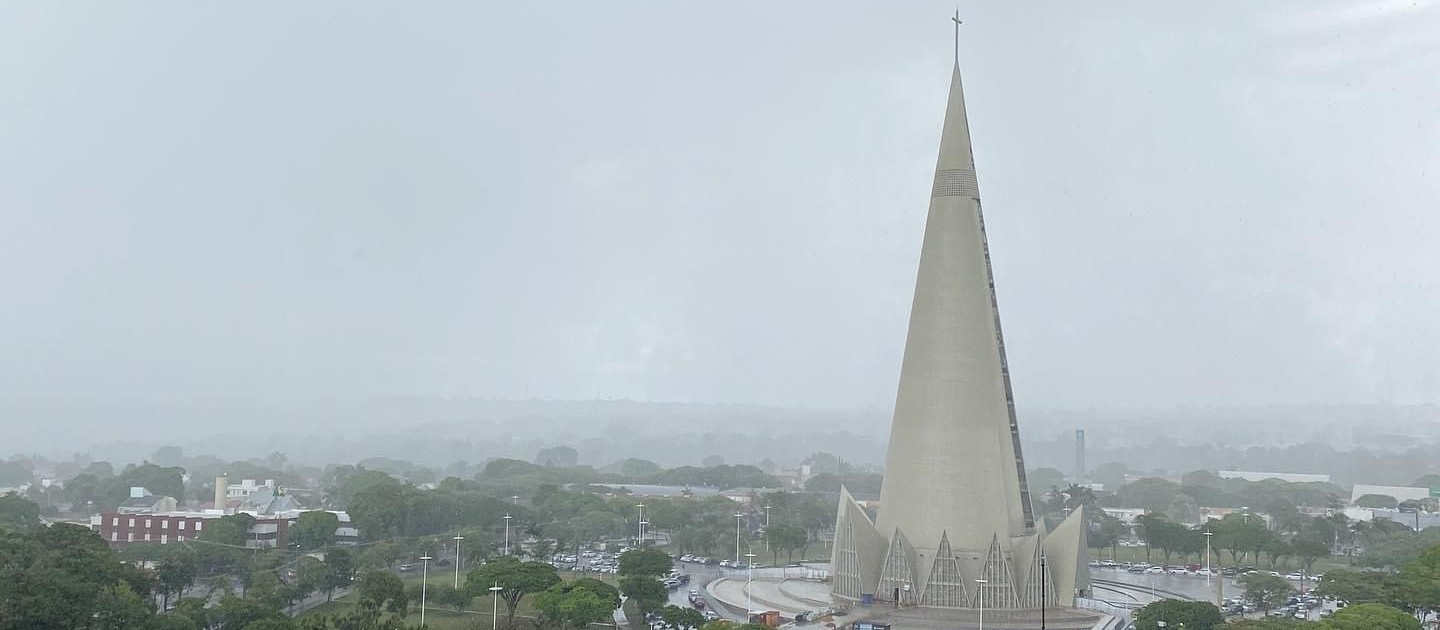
point(954, 470)
point(953, 463)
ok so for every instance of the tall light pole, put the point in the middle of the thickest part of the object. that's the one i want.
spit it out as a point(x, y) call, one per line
point(1208, 534)
point(749, 604)
point(644, 531)
point(495, 605)
point(457, 540)
point(980, 597)
point(424, 582)
point(738, 516)
point(1042, 591)
point(507, 534)
point(640, 525)
point(767, 518)
point(515, 499)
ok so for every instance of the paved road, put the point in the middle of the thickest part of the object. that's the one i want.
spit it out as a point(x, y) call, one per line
point(1191, 586)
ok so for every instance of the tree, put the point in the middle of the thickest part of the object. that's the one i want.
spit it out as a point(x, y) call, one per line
point(235, 613)
point(383, 554)
point(59, 573)
point(787, 539)
point(647, 592)
point(168, 456)
point(1377, 501)
point(1358, 587)
point(442, 594)
point(1184, 509)
point(271, 624)
point(516, 578)
point(1041, 478)
point(1419, 580)
point(173, 575)
point(1309, 549)
point(313, 530)
point(639, 468)
point(119, 609)
point(339, 571)
point(1151, 493)
point(562, 456)
point(382, 589)
point(1265, 591)
point(578, 603)
point(228, 533)
point(310, 576)
point(15, 473)
point(649, 562)
point(1372, 617)
point(576, 609)
point(377, 503)
point(712, 461)
point(18, 514)
point(1193, 615)
point(1272, 623)
point(677, 618)
point(162, 481)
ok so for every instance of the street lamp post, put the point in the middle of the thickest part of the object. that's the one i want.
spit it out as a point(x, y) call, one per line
point(980, 597)
point(738, 516)
point(507, 534)
point(495, 605)
point(767, 518)
point(515, 499)
point(749, 604)
point(424, 582)
point(457, 540)
point(1208, 534)
point(1042, 591)
point(640, 525)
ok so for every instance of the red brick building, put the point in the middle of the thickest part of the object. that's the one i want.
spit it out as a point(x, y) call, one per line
point(170, 527)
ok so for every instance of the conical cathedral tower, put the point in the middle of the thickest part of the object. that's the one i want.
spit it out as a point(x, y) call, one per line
point(955, 507)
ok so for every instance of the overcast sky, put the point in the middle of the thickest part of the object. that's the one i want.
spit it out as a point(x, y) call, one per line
point(1217, 203)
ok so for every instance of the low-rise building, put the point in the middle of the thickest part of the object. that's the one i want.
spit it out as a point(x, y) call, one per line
point(268, 531)
point(142, 502)
point(1250, 475)
point(1399, 493)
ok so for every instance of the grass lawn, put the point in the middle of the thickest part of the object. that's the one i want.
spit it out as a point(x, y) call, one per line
point(435, 618)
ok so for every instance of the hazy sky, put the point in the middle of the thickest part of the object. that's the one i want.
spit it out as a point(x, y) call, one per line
point(1215, 203)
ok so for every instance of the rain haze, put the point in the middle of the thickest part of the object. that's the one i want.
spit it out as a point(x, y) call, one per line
point(222, 213)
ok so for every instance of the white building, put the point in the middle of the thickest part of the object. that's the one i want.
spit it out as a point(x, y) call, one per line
point(1400, 493)
point(1249, 475)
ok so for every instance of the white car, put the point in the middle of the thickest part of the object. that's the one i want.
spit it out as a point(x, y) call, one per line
point(1155, 570)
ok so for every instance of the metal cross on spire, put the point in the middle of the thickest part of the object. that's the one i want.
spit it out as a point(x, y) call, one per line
point(957, 22)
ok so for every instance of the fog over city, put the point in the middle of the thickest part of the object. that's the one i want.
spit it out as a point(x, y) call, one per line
point(461, 230)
